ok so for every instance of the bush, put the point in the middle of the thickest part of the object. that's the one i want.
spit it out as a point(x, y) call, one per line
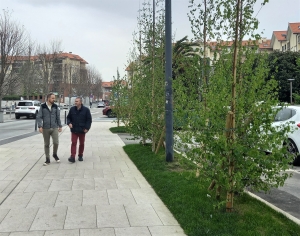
point(296, 98)
point(11, 97)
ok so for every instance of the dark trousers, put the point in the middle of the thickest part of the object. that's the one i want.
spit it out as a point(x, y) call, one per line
point(74, 138)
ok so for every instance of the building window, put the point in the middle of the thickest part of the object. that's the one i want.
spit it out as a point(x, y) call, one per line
point(288, 46)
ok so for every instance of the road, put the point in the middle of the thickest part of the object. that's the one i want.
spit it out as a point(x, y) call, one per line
point(12, 129)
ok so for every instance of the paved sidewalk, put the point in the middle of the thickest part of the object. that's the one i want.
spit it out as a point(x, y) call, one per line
point(103, 195)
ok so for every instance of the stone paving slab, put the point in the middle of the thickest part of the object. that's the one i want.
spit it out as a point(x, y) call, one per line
point(69, 198)
point(103, 195)
point(49, 218)
point(19, 219)
point(112, 216)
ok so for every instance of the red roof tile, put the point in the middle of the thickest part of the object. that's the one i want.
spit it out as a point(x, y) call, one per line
point(265, 44)
point(280, 35)
point(59, 55)
point(295, 27)
point(107, 84)
point(72, 56)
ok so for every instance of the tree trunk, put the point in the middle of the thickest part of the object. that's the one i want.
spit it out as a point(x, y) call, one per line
point(161, 139)
point(153, 79)
point(230, 124)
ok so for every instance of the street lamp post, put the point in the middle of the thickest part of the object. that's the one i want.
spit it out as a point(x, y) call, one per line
point(168, 83)
point(70, 84)
point(291, 89)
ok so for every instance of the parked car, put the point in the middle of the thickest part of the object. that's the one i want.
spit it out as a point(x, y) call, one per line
point(290, 116)
point(28, 108)
point(106, 102)
point(107, 111)
point(101, 104)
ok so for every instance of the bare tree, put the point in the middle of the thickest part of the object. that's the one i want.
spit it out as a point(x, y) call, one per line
point(28, 83)
point(95, 79)
point(89, 82)
point(47, 57)
point(12, 41)
point(82, 84)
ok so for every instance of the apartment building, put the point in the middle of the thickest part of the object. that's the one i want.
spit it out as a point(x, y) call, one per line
point(59, 72)
point(287, 40)
point(107, 88)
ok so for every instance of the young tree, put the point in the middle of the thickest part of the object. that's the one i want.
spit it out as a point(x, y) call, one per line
point(227, 134)
point(146, 83)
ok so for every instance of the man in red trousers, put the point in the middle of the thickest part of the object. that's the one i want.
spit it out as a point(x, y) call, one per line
point(79, 120)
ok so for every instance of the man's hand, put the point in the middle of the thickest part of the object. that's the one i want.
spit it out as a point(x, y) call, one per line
point(41, 130)
point(85, 130)
point(59, 129)
point(71, 126)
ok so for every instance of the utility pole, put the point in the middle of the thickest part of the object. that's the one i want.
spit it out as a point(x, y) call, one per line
point(168, 83)
point(291, 90)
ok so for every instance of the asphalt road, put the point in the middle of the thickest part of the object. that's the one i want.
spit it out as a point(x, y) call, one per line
point(12, 129)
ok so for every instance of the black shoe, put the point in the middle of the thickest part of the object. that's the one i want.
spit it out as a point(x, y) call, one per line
point(80, 158)
point(56, 158)
point(47, 162)
point(71, 159)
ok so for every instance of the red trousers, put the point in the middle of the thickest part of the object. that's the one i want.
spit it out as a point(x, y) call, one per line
point(74, 138)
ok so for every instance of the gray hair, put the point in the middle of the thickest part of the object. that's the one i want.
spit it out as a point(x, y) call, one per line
point(80, 98)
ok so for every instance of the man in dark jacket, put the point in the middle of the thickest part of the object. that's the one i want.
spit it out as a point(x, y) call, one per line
point(79, 120)
point(48, 120)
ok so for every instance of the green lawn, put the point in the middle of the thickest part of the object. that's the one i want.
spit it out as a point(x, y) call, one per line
point(187, 198)
point(120, 129)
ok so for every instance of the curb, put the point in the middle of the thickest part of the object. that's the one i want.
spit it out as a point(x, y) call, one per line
point(289, 216)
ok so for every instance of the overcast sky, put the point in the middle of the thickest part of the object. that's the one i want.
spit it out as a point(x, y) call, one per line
point(100, 31)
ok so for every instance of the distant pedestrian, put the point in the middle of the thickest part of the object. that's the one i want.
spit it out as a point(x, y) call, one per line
point(91, 104)
point(48, 120)
point(79, 120)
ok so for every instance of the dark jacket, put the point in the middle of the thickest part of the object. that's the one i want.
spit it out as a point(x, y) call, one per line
point(48, 119)
point(80, 119)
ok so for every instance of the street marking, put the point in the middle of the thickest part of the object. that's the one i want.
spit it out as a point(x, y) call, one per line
point(16, 136)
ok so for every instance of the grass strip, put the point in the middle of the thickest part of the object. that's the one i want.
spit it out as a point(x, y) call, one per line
point(120, 129)
point(190, 202)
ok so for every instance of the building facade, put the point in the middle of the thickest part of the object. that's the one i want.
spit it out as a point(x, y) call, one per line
point(38, 75)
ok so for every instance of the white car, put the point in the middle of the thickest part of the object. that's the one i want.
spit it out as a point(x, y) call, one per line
point(290, 115)
point(28, 108)
point(101, 104)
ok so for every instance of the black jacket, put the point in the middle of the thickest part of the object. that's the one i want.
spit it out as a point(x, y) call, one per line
point(48, 119)
point(80, 119)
